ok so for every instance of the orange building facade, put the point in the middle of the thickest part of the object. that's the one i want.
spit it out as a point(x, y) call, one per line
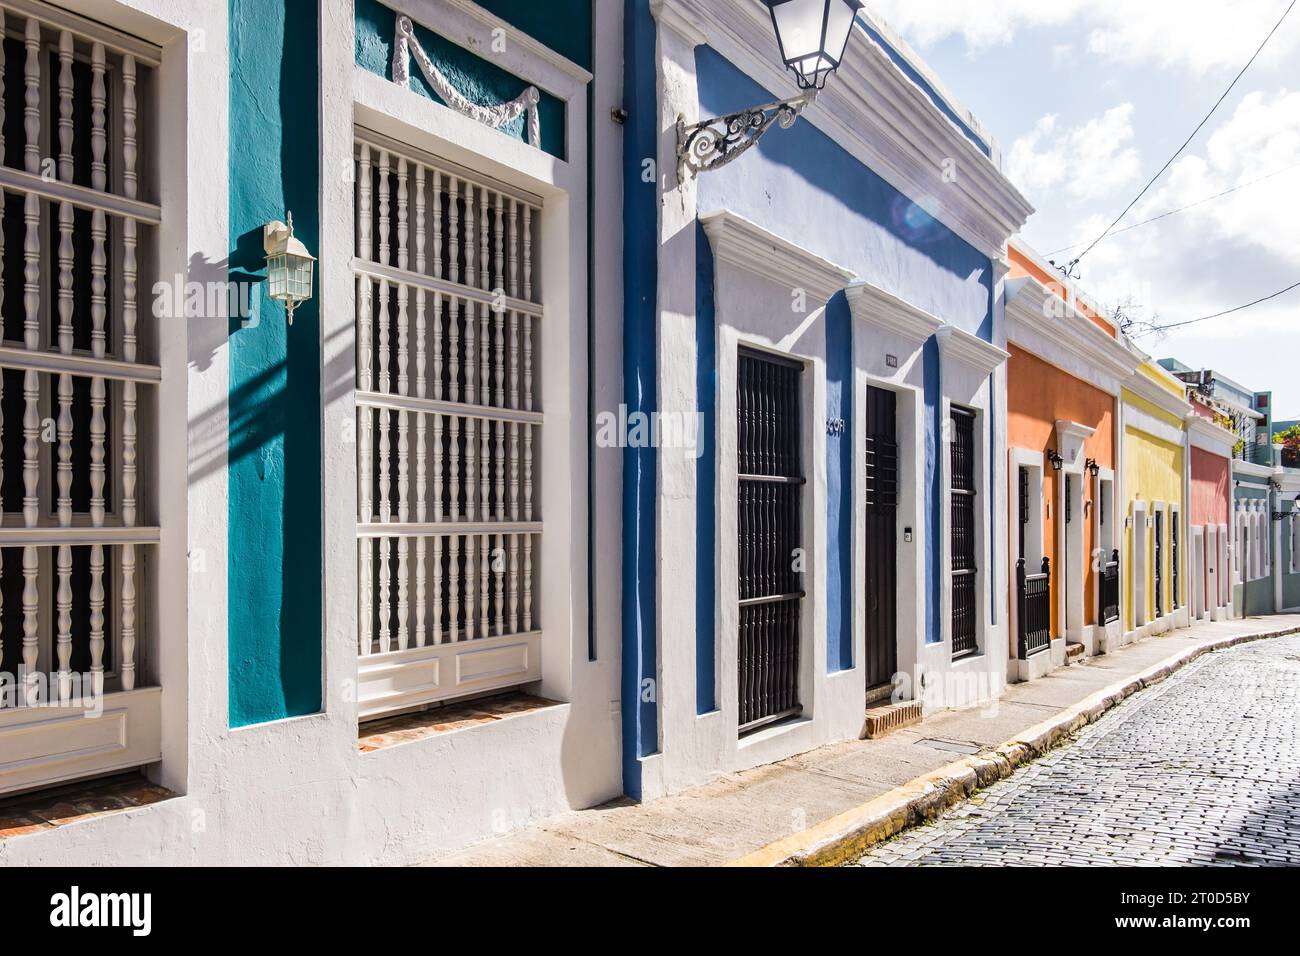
point(1064, 378)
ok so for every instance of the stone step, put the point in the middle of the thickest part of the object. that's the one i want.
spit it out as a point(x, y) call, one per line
point(1072, 651)
point(881, 720)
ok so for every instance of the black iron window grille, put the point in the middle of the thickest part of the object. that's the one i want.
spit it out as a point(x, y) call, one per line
point(964, 570)
point(1110, 590)
point(768, 526)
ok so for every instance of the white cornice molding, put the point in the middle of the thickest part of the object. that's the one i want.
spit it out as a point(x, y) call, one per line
point(958, 345)
point(872, 305)
point(1163, 399)
point(1030, 304)
point(1250, 469)
point(680, 19)
point(882, 118)
point(749, 246)
point(1208, 436)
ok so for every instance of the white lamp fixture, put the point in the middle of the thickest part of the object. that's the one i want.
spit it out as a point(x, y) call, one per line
point(289, 265)
point(812, 36)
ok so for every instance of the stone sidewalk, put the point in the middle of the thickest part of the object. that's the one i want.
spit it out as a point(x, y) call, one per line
point(832, 803)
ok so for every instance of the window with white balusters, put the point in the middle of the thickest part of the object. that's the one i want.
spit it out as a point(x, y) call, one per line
point(448, 318)
point(78, 356)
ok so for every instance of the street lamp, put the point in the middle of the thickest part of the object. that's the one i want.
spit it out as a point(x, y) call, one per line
point(812, 36)
point(1094, 469)
point(1057, 461)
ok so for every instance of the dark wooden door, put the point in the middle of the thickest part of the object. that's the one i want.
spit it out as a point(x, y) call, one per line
point(881, 534)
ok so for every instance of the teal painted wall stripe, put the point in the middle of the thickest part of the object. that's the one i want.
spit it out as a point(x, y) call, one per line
point(274, 559)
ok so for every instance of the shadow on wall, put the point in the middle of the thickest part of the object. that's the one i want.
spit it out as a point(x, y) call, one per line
point(274, 444)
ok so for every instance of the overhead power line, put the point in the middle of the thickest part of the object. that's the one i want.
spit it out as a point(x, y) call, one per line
point(1191, 205)
point(1218, 315)
point(1074, 262)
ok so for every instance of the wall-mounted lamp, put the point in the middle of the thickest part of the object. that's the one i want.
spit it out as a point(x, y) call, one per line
point(812, 36)
point(1057, 461)
point(1094, 469)
point(289, 265)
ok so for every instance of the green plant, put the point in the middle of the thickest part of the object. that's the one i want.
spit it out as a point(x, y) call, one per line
point(1288, 437)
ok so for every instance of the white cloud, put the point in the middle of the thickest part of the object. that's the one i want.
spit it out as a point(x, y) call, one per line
point(1088, 162)
point(1219, 254)
point(1197, 35)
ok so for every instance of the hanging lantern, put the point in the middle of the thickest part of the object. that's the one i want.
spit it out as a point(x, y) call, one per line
point(289, 266)
point(813, 35)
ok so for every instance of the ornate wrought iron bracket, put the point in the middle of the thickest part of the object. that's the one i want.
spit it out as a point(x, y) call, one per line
point(715, 142)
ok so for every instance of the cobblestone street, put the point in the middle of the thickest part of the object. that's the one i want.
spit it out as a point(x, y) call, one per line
point(1202, 769)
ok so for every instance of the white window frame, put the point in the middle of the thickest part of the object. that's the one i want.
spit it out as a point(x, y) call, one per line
point(967, 364)
point(429, 128)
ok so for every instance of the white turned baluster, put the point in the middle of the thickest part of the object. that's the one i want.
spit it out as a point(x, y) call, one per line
point(514, 471)
point(498, 566)
point(437, 468)
point(421, 388)
point(528, 472)
point(498, 322)
point(98, 342)
point(471, 423)
point(528, 362)
point(453, 588)
point(528, 582)
point(528, 251)
point(485, 345)
point(126, 667)
point(31, 340)
point(438, 633)
point(485, 469)
point(63, 639)
point(484, 585)
point(365, 467)
point(513, 621)
point(453, 467)
point(385, 438)
point(453, 273)
point(514, 359)
point(512, 248)
point(471, 593)
point(403, 426)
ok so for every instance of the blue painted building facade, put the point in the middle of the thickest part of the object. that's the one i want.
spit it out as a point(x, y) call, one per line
point(853, 256)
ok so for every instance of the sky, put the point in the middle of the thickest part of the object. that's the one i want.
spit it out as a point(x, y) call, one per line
point(1089, 99)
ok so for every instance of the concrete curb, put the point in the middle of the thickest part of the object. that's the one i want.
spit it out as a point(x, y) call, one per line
point(849, 835)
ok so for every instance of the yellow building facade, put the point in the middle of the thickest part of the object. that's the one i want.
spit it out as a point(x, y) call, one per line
point(1154, 468)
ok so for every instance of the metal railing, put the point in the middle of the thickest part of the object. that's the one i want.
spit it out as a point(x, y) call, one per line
point(1110, 590)
point(1033, 609)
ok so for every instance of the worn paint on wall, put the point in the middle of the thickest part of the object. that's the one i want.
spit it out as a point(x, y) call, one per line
point(1211, 483)
point(1038, 395)
point(275, 442)
point(476, 79)
point(802, 185)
